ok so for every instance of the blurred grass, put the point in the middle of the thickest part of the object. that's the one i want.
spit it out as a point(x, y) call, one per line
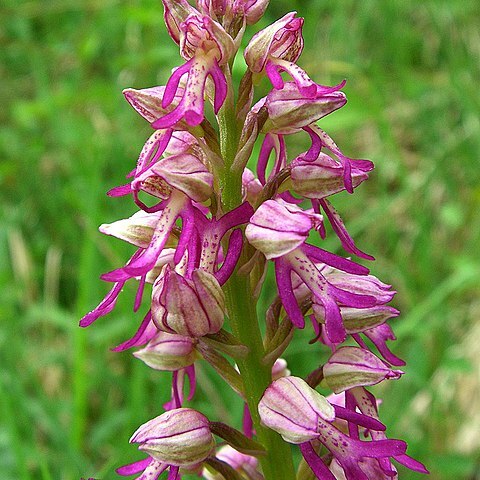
point(68, 404)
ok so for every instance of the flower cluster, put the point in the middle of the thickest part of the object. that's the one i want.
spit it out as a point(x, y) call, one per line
point(206, 229)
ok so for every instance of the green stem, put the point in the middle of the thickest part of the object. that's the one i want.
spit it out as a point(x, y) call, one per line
point(241, 307)
point(277, 464)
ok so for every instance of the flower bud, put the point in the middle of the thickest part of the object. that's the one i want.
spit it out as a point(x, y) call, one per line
point(251, 187)
point(278, 227)
point(351, 367)
point(201, 33)
point(280, 369)
point(321, 178)
point(293, 409)
point(192, 308)
point(283, 39)
point(253, 10)
point(289, 109)
point(168, 352)
point(179, 437)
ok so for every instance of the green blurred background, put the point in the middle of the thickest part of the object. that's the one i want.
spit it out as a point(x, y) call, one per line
point(68, 405)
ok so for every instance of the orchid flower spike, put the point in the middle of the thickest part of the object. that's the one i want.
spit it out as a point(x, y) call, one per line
point(202, 255)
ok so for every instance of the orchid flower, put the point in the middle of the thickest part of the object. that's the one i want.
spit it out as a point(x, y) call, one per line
point(279, 230)
point(277, 48)
point(206, 47)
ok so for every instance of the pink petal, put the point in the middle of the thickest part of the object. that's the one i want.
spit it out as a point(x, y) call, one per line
point(221, 87)
point(231, 258)
point(339, 228)
point(173, 82)
point(144, 334)
point(274, 75)
point(106, 306)
point(135, 467)
point(120, 191)
point(285, 290)
point(316, 464)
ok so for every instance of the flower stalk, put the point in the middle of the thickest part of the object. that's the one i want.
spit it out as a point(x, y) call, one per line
point(277, 464)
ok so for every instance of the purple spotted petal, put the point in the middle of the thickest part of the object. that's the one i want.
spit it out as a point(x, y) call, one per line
point(235, 217)
point(174, 474)
point(411, 463)
point(186, 234)
point(172, 85)
point(191, 106)
point(120, 191)
point(358, 418)
point(351, 299)
point(367, 404)
point(221, 87)
point(347, 163)
point(304, 83)
point(148, 258)
point(316, 464)
point(379, 336)
point(139, 294)
point(273, 73)
point(333, 260)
